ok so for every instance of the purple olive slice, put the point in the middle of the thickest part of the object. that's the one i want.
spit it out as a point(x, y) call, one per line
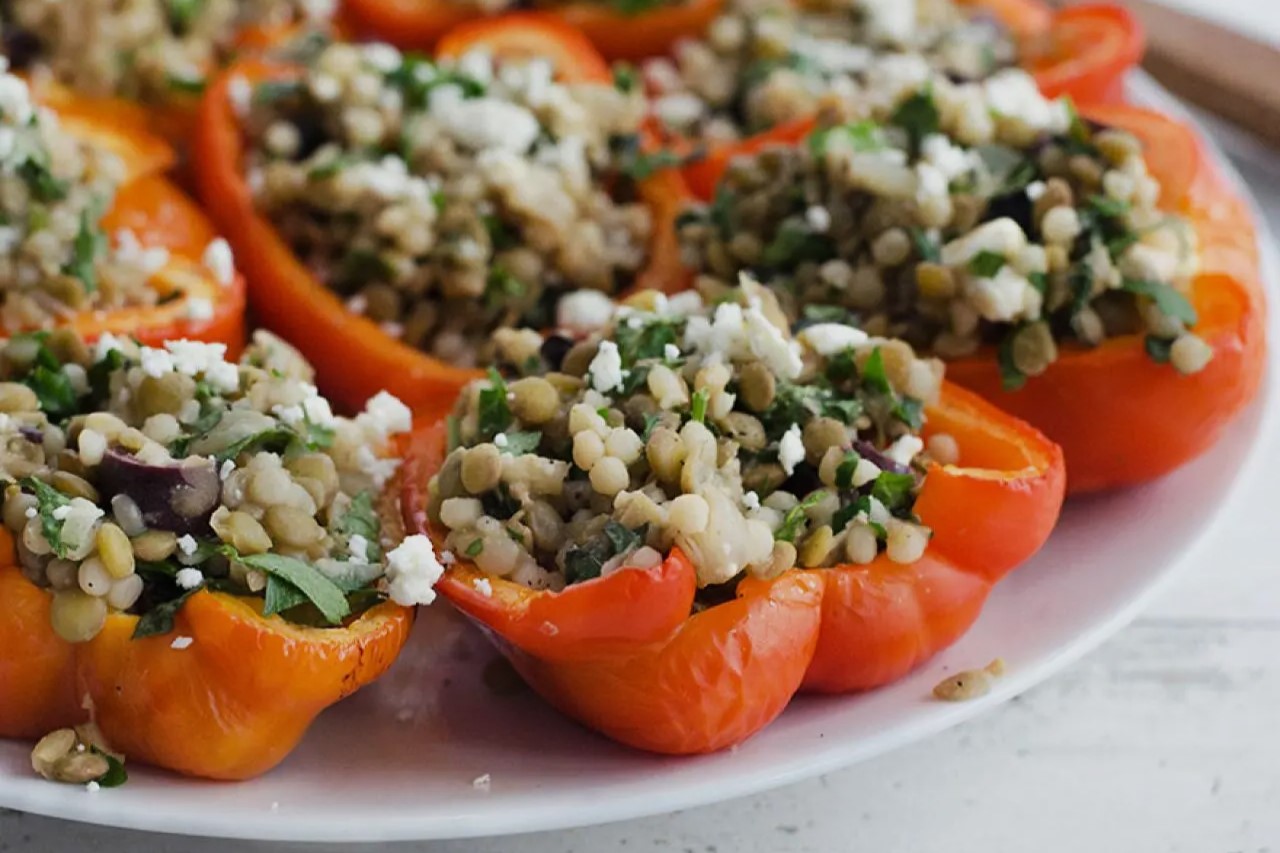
point(179, 496)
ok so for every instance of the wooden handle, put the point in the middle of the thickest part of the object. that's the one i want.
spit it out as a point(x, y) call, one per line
point(1219, 70)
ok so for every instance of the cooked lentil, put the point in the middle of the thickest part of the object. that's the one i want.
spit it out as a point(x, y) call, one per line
point(147, 50)
point(765, 62)
point(706, 427)
point(138, 476)
point(971, 214)
point(446, 202)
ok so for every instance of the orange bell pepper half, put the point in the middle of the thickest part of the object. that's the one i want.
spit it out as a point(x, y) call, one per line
point(420, 24)
point(1121, 418)
point(159, 215)
point(353, 357)
point(530, 35)
point(232, 705)
point(1082, 52)
point(623, 655)
point(988, 515)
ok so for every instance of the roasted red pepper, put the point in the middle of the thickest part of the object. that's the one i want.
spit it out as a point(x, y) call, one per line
point(988, 515)
point(231, 705)
point(1120, 417)
point(159, 214)
point(1082, 52)
point(419, 24)
point(353, 357)
point(622, 654)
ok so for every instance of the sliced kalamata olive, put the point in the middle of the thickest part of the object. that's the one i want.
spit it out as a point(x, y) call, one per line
point(179, 496)
point(868, 451)
point(554, 349)
point(32, 434)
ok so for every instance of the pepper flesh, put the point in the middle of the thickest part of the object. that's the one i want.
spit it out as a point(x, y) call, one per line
point(420, 24)
point(1120, 417)
point(882, 620)
point(231, 705)
point(353, 357)
point(158, 214)
point(625, 655)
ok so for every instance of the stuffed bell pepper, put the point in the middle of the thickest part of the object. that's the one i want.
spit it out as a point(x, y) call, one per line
point(391, 214)
point(149, 59)
point(95, 239)
point(646, 519)
point(198, 556)
point(1028, 246)
point(760, 74)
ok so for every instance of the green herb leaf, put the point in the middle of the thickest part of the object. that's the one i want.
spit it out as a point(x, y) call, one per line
point(270, 91)
point(586, 561)
point(986, 263)
point(89, 243)
point(845, 470)
point(521, 442)
point(910, 411)
point(54, 390)
point(361, 519)
point(795, 519)
point(926, 247)
point(1011, 378)
point(918, 115)
point(794, 243)
point(501, 288)
point(698, 408)
point(626, 79)
point(639, 165)
point(327, 597)
point(48, 499)
point(1159, 349)
point(277, 438)
point(894, 490)
point(862, 136)
point(158, 621)
point(1109, 207)
point(1167, 299)
point(35, 173)
point(874, 377)
point(849, 512)
point(183, 13)
point(116, 775)
point(474, 549)
point(493, 413)
point(648, 341)
point(188, 85)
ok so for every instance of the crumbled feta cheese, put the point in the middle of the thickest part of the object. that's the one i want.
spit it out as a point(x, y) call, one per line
point(1035, 189)
point(15, 100)
point(950, 160)
point(890, 20)
point(358, 547)
point(155, 362)
point(106, 344)
point(1003, 297)
point(228, 466)
point(223, 376)
point(1002, 236)
point(383, 57)
point(181, 643)
point(584, 311)
point(240, 94)
point(384, 415)
point(818, 218)
point(679, 109)
point(606, 368)
point(904, 450)
point(412, 571)
point(92, 786)
point(751, 501)
point(833, 55)
point(484, 123)
point(827, 339)
point(791, 449)
point(500, 439)
point(189, 577)
point(31, 512)
point(670, 352)
point(218, 260)
point(1012, 93)
point(931, 183)
point(737, 334)
point(378, 469)
point(483, 586)
point(447, 558)
point(289, 415)
point(199, 309)
point(60, 513)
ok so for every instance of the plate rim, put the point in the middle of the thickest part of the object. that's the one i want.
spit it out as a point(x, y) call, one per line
point(273, 826)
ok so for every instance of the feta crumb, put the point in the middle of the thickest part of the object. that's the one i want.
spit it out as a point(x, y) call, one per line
point(181, 643)
point(606, 368)
point(483, 586)
point(218, 260)
point(827, 339)
point(188, 578)
point(584, 311)
point(240, 94)
point(865, 472)
point(199, 308)
point(483, 123)
point(155, 362)
point(384, 415)
point(358, 547)
point(482, 782)
point(904, 450)
point(791, 449)
point(60, 513)
point(412, 571)
point(106, 344)
point(500, 439)
point(751, 500)
point(447, 558)
point(671, 352)
point(31, 512)
point(818, 218)
point(228, 466)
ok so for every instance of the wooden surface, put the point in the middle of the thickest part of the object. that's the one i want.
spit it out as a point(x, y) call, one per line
point(1165, 739)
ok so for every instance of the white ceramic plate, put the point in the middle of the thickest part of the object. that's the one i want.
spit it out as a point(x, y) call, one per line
point(398, 761)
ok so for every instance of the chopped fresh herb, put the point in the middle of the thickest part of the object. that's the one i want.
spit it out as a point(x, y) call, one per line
point(1108, 207)
point(183, 13)
point(648, 341)
point(874, 377)
point(494, 413)
point(361, 519)
point(926, 247)
point(894, 490)
point(35, 173)
point(100, 373)
point(720, 212)
point(796, 518)
point(846, 469)
point(918, 115)
point(1166, 298)
point(417, 76)
point(89, 243)
point(522, 442)
point(651, 421)
point(48, 499)
point(844, 409)
point(1159, 349)
point(116, 775)
point(626, 79)
point(277, 438)
point(54, 390)
point(501, 234)
point(698, 408)
point(1040, 281)
point(862, 136)
point(1011, 377)
point(270, 91)
point(849, 512)
point(1010, 170)
point(327, 597)
point(500, 503)
point(827, 314)
point(794, 243)
point(474, 549)
point(330, 168)
point(634, 7)
point(318, 436)
point(190, 85)
point(501, 287)
point(639, 165)
point(586, 561)
point(359, 267)
point(910, 411)
point(986, 263)
point(159, 619)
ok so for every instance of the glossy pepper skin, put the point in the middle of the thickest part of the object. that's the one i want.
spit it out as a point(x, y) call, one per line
point(1082, 52)
point(353, 357)
point(1122, 418)
point(626, 656)
point(988, 515)
point(232, 705)
point(159, 214)
point(420, 24)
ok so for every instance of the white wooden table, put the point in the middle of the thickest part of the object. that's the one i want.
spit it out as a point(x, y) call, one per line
point(1166, 739)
